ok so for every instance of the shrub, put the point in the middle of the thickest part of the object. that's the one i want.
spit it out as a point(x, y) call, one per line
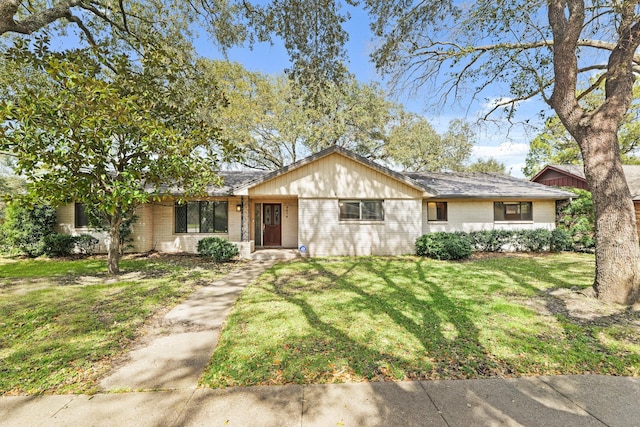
point(444, 246)
point(490, 240)
point(220, 250)
point(86, 244)
point(561, 240)
point(578, 218)
point(536, 240)
point(59, 245)
point(26, 226)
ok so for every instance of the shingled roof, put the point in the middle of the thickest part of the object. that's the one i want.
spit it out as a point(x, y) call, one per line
point(474, 185)
point(484, 186)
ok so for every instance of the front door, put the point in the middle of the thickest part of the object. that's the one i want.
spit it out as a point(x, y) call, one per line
point(272, 228)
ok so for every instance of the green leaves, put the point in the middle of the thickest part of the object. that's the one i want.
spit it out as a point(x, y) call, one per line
point(108, 132)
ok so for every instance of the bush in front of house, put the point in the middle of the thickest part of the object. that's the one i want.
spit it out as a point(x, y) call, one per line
point(561, 240)
point(444, 246)
point(26, 227)
point(59, 245)
point(220, 250)
point(86, 244)
point(533, 240)
point(490, 240)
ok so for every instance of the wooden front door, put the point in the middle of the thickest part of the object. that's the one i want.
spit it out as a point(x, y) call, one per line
point(272, 217)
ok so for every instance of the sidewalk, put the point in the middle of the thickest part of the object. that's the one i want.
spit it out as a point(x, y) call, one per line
point(587, 400)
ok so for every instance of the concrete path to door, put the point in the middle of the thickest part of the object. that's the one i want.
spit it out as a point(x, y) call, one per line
point(175, 352)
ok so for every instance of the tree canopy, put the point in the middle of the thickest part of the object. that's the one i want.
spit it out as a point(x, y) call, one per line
point(268, 118)
point(108, 138)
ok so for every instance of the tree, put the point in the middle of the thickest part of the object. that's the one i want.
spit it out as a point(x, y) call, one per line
point(110, 139)
point(415, 146)
point(554, 145)
point(490, 165)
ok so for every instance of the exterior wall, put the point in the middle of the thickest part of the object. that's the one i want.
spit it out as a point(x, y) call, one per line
point(289, 220)
point(336, 176)
point(478, 215)
point(166, 240)
point(321, 231)
point(154, 228)
point(66, 225)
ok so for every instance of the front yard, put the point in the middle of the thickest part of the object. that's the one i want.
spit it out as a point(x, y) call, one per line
point(320, 320)
point(364, 319)
point(62, 322)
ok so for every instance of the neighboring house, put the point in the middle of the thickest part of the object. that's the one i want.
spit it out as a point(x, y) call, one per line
point(573, 176)
point(337, 203)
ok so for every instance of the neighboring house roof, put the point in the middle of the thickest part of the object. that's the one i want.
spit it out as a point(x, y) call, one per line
point(484, 185)
point(631, 172)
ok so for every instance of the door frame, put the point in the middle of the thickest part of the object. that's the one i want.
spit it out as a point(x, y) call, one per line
point(264, 205)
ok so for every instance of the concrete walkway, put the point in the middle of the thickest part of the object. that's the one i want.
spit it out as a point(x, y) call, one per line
point(565, 401)
point(174, 354)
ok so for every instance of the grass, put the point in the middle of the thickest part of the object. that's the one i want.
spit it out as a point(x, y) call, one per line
point(63, 322)
point(367, 319)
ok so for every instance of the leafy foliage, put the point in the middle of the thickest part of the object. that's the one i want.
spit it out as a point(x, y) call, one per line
point(59, 245)
point(106, 131)
point(27, 226)
point(578, 219)
point(218, 249)
point(86, 244)
point(489, 240)
point(535, 240)
point(443, 246)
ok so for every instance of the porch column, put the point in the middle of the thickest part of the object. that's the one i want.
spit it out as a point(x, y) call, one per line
point(244, 219)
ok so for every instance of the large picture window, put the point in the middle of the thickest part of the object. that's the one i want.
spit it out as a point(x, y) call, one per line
point(512, 211)
point(202, 217)
point(437, 211)
point(361, 210)
point(81, 219)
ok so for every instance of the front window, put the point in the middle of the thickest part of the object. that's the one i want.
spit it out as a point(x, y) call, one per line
point(81, 219)
point(365, 210)
point(202, 217)
point(512, 211)
point(437, 211)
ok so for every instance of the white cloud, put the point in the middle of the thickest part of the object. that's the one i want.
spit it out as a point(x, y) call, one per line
point(512, 154)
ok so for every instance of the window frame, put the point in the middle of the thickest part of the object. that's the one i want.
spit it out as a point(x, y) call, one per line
point(517, 206)
point(209, 210)
point(436, 210)
point(363, 215)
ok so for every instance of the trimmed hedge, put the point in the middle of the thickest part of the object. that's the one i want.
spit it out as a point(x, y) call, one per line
point(444, 246)
point(459, 245)
point(220, 250)
point(59, 245)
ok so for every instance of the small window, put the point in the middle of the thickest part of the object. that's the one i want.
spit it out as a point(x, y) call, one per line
point(365, 210)
point(201, 217)
point(81, 219)
point(512, 211)
point(437, 211)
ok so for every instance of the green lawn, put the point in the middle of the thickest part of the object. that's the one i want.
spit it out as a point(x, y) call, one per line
point(358, 319)
point(62, 322)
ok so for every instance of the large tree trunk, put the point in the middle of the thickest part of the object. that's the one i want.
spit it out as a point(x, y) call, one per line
point(113, 251)
point(617, 250)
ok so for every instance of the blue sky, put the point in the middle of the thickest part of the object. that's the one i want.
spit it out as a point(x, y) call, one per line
point(508, 144)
